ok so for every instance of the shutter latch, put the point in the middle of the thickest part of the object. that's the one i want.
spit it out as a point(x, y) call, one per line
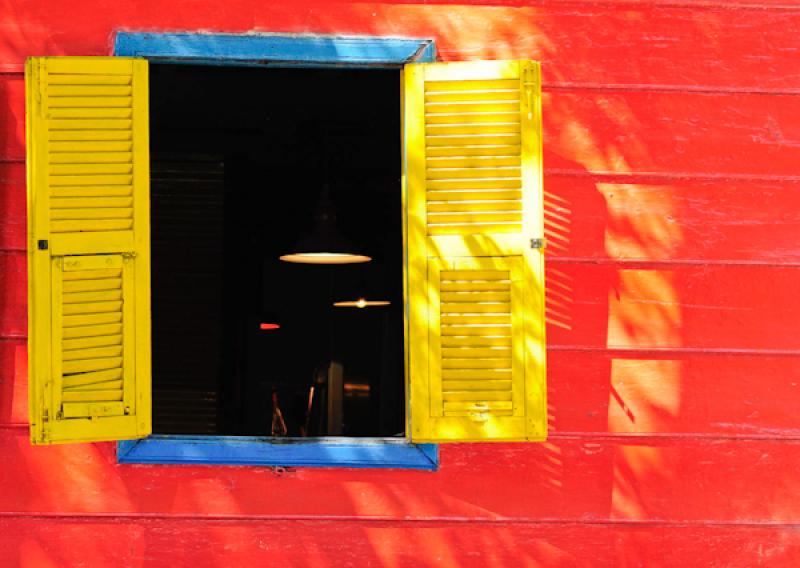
point(42, 244)
point(538, 243)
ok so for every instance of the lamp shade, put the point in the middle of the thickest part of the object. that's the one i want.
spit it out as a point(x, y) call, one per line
point(361, 303)
point(324, 245)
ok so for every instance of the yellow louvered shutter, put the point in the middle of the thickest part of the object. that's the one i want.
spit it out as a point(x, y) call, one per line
point(473, 170)
point(88, 251)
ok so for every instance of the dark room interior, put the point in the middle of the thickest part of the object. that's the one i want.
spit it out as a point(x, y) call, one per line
point(241, 160)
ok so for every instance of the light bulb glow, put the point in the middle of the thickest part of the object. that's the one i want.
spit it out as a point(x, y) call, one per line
point(361, 303)
point(325, 258)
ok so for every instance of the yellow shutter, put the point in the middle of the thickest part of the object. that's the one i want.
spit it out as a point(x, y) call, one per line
point(475, 280)
point(88, 249)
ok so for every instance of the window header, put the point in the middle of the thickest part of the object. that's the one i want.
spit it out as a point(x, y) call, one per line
point(275, 49)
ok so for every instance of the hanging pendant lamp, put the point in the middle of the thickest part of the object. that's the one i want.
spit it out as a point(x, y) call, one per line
point(363, 293)
point(361, 303)
point(324, 245)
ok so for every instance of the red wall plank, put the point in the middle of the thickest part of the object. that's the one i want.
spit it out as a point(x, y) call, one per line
point(12, 206)
point(601, 217)
point(13, 294)
point(600, 393)
point(13, 382)
point(671, 132)
point(568, 478)
point(713, 395)
point(299, 544)
point(594, 217)
point(621, 42)
point(12, 116)
point(622, 132)
point(697, 306)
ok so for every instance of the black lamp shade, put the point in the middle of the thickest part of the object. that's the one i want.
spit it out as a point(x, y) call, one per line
point(324, 245)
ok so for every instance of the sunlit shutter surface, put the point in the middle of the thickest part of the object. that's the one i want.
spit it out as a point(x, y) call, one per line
point(89, 288)
point(475, 287)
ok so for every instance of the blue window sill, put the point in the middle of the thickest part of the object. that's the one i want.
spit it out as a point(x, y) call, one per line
point(280, 452)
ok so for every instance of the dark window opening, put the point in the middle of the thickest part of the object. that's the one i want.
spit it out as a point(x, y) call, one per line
point(239, 159)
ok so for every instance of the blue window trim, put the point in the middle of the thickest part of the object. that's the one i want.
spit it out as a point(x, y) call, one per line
point(280, 452)
point(277, 51)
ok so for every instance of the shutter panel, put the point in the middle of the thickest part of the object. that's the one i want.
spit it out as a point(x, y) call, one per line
point(475, 285)
point(89, 251)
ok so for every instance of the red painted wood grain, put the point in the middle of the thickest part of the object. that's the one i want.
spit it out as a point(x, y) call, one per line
point(13, 210)
point(601, 217)
point(738, 307)
point(13, 381)
point(623, 132)
point(735, 307)
point(13, 295)
point(671, 152)
point(672, 133)
point(142, 543)
point(591, 393)
point(607, 217)
point(568, 478)
point(668, 43)
point(599, 393)
point(741, 396)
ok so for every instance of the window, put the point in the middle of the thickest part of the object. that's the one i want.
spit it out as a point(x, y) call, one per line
point(474, 329)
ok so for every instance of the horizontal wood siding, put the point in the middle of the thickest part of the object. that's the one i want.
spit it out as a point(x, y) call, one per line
point(672, 180)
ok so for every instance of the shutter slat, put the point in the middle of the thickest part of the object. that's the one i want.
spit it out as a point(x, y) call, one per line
point(479, 161)
point(93, 353)
point(92, 296)
point(89, 135)
point(84, 365)
point(476, 307)
point(72, 203)
point(89, 79)
point(91, 319)
point(109, 112)
point(92, 396)
point(91, 146)
point(93, 191)
point(91, 158)
point(93, 340)
point(102, 225)
point(102, 386)
point(91, 180)
point(90, 102)
point(93, 284)
point(61, 90)
point(95, 377)
point(470, 107)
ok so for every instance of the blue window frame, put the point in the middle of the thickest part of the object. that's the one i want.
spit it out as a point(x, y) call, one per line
point(274, 50)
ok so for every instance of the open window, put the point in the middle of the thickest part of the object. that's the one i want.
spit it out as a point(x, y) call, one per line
point(456, 229)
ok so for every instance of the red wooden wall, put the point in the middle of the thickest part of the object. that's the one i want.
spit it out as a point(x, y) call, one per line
point(673, 208)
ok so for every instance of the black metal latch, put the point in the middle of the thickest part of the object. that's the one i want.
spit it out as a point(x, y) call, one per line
point(42, 244)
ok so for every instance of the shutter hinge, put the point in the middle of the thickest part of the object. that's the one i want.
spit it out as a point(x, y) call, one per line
point(45, 416)
point(128, 255)
point(527, 80)
point(538, 243)
point(42, 244)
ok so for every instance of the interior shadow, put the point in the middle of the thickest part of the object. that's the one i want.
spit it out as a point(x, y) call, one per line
point(245, 343)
